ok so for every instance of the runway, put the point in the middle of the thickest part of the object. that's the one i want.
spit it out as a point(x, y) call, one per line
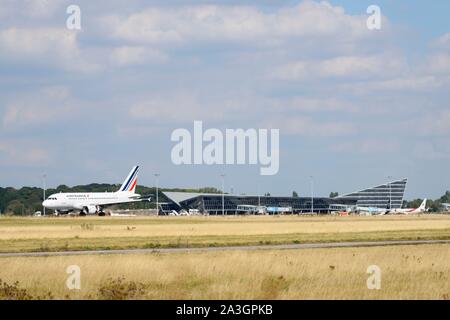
point(299, 246)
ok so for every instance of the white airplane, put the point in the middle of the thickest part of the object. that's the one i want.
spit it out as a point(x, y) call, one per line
point(95, 202)
point(184, 213)
point(370, 211)
point(420, 209)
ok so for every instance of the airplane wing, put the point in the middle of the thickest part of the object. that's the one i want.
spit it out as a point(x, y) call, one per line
point(139, 197)
point(146, 197)
point(115, 202)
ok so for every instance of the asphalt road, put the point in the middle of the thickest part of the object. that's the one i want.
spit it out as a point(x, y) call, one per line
point(235, 248)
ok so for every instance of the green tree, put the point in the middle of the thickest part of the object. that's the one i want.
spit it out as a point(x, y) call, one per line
point(334, 194)
point(16, 207)
point(445, 198)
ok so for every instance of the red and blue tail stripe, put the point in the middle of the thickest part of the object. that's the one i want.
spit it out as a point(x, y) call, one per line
point(130, 182)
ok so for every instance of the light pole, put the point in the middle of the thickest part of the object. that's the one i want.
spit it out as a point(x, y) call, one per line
point(157, 204)
point(223, 194)
point(390, 192)
point(43, 191)
point(259, 196)
point(312, 194)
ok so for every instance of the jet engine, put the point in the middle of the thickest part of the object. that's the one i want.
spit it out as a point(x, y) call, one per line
point(90, 209)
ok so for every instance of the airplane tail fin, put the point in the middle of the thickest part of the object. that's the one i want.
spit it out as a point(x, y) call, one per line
point(423, 205)
point(129, 185)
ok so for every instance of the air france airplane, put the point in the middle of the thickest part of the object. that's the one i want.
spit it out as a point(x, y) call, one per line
point(95, 202)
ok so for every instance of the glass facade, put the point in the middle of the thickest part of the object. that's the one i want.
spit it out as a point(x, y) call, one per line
point(386, 196)
point(389, 195)
point(213, 204)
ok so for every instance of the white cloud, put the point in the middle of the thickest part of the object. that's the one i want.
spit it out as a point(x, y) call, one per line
point(292, 71)
point(29, 42)
point(439, 63)
point(178, 107)
point(358, 65)
point(52, 104)
point(341, 66)
point(443, 42)
point(41, 8)
point(182, 106)
point(26, 9)
point(314, 104)
point(307, 126)
point(45, 47)
point(413, 83)
point(213, 23)
point(127, 55)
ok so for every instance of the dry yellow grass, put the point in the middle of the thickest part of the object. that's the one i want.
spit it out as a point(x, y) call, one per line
point(204, 226)
point(42, 234)
point(408, 272)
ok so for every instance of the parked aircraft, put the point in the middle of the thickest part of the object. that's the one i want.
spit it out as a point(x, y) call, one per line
point(420, 209)
point(370, 211)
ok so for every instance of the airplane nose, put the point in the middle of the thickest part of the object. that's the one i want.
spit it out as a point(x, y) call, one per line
point(45, 203)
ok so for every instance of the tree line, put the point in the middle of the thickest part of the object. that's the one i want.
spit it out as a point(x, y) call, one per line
point(28, 200)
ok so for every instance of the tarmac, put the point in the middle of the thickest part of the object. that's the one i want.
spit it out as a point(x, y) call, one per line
point(299, 246)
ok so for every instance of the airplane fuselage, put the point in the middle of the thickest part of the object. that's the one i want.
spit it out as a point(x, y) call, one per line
point(371, 210)
point(91, 202)
point(405, 211)
point(420, 209)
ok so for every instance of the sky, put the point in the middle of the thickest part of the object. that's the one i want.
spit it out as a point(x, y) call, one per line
point(355, 107)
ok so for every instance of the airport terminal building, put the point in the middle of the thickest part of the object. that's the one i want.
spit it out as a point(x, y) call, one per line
point(386, 196)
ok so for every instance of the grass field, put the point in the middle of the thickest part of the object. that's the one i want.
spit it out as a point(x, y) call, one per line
point(407, 272)
point(90, 233)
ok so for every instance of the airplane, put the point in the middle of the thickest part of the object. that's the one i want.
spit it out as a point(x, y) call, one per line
point(184, 213)
point(420, 209)
point(370, 211)
point(446, 206)
point(95, 202)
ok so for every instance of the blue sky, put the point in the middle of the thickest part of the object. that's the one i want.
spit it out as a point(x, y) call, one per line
point(353, 106)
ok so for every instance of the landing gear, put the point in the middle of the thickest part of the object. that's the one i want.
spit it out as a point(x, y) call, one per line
point(100, 211)
point(83, 212)
point(59, 213)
